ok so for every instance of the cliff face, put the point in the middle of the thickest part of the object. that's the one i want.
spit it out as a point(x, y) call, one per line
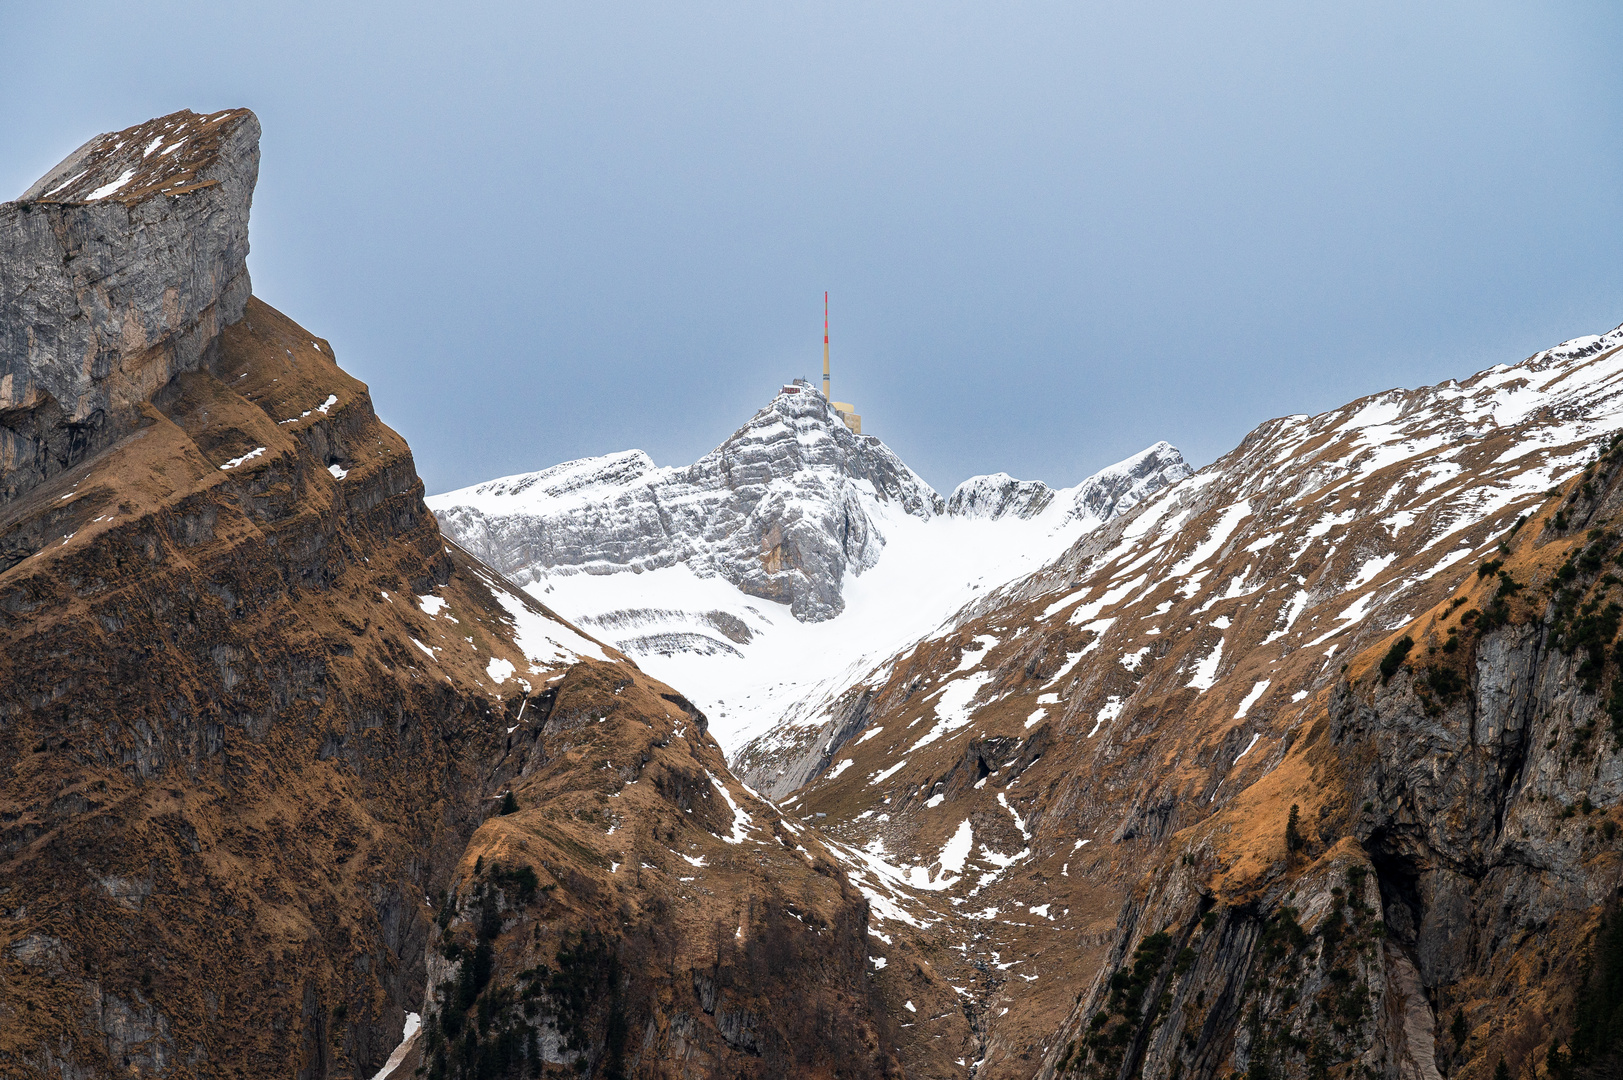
point(229, 783)
point(1429, 903)
point(118, 270)
point(259, 725)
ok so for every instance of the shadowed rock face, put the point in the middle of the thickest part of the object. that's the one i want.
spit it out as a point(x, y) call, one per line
point(118, 270)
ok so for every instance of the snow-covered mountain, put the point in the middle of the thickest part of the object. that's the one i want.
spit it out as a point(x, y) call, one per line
point(780, 567)
point(782, 510)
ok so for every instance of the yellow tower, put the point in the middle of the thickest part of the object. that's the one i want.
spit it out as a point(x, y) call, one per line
point(846, 411)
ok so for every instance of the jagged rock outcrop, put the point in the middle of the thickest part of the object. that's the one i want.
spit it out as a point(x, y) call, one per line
point(1103, 496)
point(999, 495)
point(784, 510)
point(118, 270)
point(1112, 492)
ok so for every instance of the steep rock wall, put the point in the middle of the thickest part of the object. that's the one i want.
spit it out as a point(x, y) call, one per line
point(118, 270)
point(1427, 905)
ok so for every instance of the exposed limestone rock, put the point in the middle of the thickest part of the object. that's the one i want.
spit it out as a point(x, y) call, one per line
point(779, 509)
point(118, 270)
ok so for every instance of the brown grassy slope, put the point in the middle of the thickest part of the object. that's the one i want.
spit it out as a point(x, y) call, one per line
point(740, 947)
point(1457, 816)
point(242, 748)
point(1100, 701)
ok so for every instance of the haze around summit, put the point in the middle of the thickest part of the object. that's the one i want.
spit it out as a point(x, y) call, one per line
point(1053, 233)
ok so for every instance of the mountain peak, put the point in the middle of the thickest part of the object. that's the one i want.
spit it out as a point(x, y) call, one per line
point(172, 154)
point(1106, 494)
point(784, 509)
point(998, 495)
point(796, 544)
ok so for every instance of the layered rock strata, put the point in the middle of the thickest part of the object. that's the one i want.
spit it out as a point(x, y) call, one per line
point(118, 270)
point(780, 510)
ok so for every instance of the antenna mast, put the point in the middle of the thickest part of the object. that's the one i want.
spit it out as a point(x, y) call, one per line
point(825, 347)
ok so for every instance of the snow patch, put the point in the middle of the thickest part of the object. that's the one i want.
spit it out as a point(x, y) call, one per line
point(1110, 710)
point(107, 189)
point(1251, 699)
point(236, 461)
point(1205, 673)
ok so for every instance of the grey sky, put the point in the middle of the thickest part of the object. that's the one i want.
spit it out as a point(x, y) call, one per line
point(1053, 233)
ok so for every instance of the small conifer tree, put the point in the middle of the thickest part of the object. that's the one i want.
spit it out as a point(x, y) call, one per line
point(1294, 840)
point(509, 804)
point(1395, 656)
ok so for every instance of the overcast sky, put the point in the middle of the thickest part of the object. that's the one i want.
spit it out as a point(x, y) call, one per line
point(1053, 233)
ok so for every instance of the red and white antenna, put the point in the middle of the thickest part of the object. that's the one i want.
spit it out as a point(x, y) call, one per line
point(825, 347)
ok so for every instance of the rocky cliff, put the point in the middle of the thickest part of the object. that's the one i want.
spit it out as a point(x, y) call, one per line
point(784, 510)
point(118, 270)
point(285, 774)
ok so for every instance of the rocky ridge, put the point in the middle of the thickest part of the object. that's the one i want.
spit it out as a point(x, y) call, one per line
point(1107, 749)
point(783, 510)
point(695, 571)
point(285, 772)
